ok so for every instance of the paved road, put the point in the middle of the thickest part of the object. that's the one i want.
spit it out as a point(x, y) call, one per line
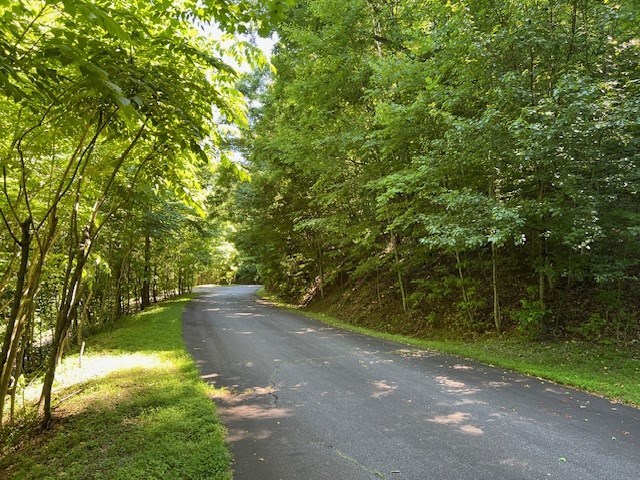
point(313, 402)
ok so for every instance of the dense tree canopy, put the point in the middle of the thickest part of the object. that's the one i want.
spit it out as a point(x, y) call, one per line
point(111, 114)
point(473, 163)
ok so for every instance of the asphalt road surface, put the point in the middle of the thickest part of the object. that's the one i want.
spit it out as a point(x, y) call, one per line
point(308, 401)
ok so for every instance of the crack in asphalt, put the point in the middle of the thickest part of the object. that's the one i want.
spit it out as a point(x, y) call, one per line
point(352, 460)
point(272, 382)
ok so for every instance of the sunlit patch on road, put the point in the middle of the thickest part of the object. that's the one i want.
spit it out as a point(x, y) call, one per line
point(382, 389)
point(236, 435)
point(455, 418)
point(463, 402)
point(251, 405)
point(457, 387)
point(497, 384)
point(459, 420)
point(471, 430)
point(414, 353)
point(459, 366)
point(304, 331)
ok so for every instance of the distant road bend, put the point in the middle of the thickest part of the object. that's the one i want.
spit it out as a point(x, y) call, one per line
point(313, 402)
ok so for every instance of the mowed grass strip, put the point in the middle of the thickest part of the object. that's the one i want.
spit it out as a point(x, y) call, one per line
point(137, 409)
point(607, 370)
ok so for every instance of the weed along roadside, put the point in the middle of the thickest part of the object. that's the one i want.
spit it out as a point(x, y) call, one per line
point(137, 409)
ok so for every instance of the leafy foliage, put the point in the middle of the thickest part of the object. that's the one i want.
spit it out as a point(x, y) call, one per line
point(484, 149)
point(113, 116)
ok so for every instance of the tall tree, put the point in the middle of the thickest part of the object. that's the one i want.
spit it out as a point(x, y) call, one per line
point(97, 93)
point(482, 155)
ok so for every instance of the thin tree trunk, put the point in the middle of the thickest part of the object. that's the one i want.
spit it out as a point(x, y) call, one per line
point(497, 316)
point(400, 280)
point(146, 294)
point(320, 266)
point(118, 307)
point(66, 314)
point(82, 318)
point(14, 327)
point(155, 284)
point(16, 377)
point(465, 297)
point(71, 291)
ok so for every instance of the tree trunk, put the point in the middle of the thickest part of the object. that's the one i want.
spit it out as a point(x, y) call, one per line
point(14, 327)
point(118, 305)
point(67, 312)
point(400, 279)
point(465, 297)
point(146, 283)
point(320, 267)
point(542, 287)
point(155, 285)
point(497, 316)
point(16, 378)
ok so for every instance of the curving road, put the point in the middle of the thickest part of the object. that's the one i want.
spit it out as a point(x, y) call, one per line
point(313, 402)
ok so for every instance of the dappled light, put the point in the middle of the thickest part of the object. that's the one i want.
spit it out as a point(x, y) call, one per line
point(95, 366)
point(414, 353)
point(233, 411)
point(461, 176)
point(556, 390)
point(304, 331)
point(262, 301)
point(471, 430)
point(460, 420)
point(457, 387)
point(255, 404)
point(366, 401)
point(100, 365)
point(459, 366)
point(465, 401)
point(451, 419)
point(236, 435)
point(497, 384)
point(382, 389)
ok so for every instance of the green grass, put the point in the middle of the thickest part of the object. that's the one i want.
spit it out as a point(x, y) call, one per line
point(137, 409)
point(606, 370)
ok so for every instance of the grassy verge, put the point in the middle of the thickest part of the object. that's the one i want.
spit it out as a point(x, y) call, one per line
point(604, 370)
point(137, 409)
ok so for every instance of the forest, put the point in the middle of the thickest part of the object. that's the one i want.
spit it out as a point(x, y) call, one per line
point(113, 119)
point(452, 166)
point(420, 165)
